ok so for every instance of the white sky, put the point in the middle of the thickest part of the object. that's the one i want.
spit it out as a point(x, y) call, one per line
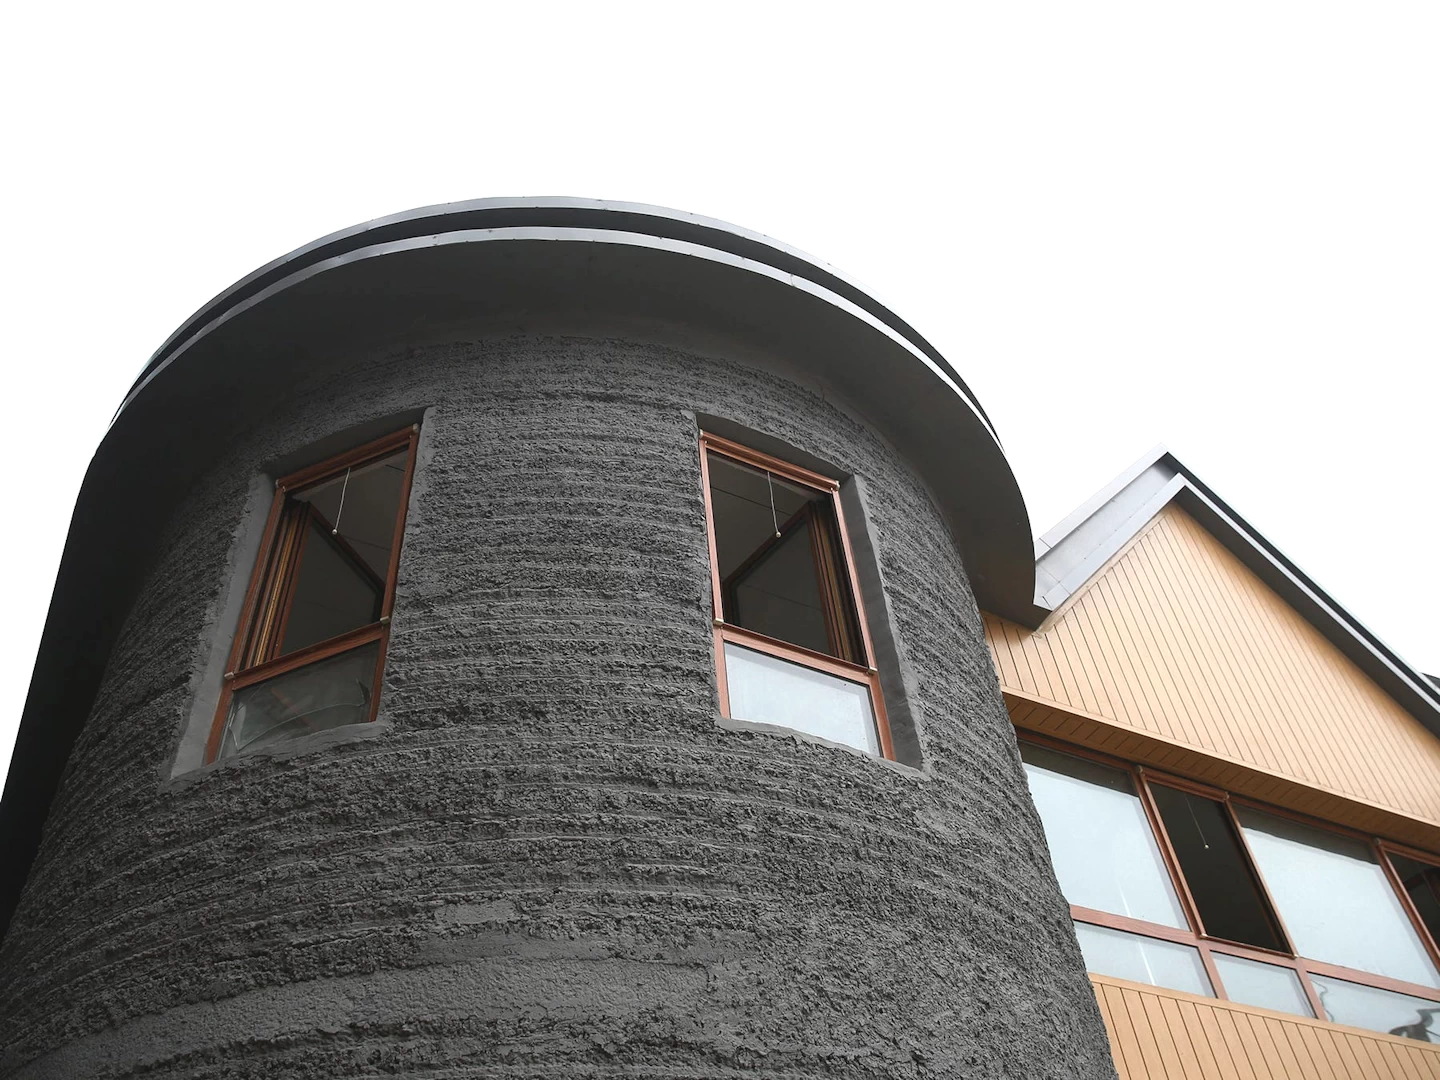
point(1215, 226)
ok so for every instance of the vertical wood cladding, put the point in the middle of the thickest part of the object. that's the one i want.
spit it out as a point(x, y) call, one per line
point(547, 858)
point(1177, 639)
point(1166, 1035)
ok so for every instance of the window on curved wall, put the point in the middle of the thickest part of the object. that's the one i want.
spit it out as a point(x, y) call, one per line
point(310, 648)
point(791, 645)
point(1177, 885)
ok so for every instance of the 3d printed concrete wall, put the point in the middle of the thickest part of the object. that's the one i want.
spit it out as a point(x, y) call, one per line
point(547, 855)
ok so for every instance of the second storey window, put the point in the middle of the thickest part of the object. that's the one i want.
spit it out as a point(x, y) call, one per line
point(1178, 885)
point(310, 647)
point(791, 644)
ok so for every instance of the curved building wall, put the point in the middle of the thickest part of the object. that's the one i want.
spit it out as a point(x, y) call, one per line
point(546, 856)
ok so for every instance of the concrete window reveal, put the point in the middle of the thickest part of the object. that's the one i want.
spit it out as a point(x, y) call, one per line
point(791, 644)
point(310, 647)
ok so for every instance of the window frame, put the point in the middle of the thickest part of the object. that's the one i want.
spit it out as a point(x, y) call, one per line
point(279, 588)
point(1143, 777)
point(866, 673)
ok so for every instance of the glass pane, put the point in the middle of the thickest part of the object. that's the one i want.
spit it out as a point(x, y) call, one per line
point(1335, 899)
point(779, 595)
point(774, 584)
point(1216, 869)
point(1422, 882)
point(1101, 844)
point(1378, 1010)
point(333, 593)
point(1142, 959)
point(339, 582)
point(364, 506)
point(320, 696)
point(1266, 986)
point(768, 690)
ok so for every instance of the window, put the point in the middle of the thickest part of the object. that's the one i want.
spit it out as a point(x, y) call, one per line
point(310, 648)
point(1335, 898)
point(1177, 885)
point(791, 646)
point(1421, 882)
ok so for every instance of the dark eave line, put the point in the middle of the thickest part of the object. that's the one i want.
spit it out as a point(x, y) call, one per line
point(555, 212)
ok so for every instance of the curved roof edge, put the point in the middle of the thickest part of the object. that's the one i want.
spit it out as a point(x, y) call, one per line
point(554, 211)
point(1071, 555)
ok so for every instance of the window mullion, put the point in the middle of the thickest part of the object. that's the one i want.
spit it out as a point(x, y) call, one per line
point(261, 634)
point(1311, 994)
point(848, 557)
point(293, 556)
point(716, 586)
point(1216, 983)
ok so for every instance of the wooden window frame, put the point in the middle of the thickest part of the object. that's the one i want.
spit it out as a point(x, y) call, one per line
point(266, 608)
point(1194, 934)
point(864, 672)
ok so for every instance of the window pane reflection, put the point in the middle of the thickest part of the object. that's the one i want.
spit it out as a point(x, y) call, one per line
point(320, 696)
point(1266, 986)
point(1335, 900)
point(765, 689)
point(1101, 843)
point(1378, 1010)
point(1142, 959)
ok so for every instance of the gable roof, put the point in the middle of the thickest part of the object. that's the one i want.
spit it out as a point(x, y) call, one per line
point(1069, 556)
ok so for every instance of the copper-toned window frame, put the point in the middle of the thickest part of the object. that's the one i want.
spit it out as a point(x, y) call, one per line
point(1143, 777)
point(252, 658)
point(864, 673)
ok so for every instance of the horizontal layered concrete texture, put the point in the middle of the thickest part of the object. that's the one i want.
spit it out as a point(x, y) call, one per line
point(547, 857)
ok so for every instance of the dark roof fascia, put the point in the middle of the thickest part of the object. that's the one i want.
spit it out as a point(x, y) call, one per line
point(1070, 555)
point(558, 212)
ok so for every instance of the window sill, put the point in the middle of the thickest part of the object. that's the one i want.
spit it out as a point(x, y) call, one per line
point(298, 747)
point(756, 727)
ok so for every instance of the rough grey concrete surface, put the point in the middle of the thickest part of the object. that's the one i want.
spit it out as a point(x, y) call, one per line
point(547, 858)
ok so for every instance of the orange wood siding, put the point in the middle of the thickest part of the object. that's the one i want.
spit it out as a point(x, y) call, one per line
point(1179, 648)
point(1166, 1035)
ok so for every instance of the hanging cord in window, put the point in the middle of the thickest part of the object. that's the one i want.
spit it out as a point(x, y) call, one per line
point(343, 487)
point(774, 519)
point(1199, 831)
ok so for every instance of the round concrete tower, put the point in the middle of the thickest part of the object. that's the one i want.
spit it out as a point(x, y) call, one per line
point(536, 638)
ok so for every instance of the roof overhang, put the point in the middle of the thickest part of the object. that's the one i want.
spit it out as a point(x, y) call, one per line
point(1070, 556)
point(454, 272)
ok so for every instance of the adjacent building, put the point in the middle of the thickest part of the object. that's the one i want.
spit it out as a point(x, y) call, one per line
point(552, 637)
point(1240, 786)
